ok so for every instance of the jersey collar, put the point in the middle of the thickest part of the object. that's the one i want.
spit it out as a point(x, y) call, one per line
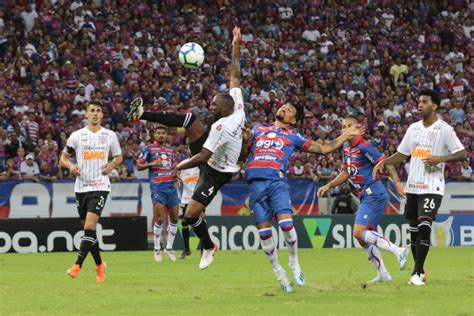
point(357, 141)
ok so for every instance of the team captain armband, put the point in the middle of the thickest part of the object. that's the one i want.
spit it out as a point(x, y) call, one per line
point(69, 150)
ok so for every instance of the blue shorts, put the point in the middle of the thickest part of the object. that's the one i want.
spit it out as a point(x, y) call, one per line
point(371, 209)
point(268, 198)
point(165, 195)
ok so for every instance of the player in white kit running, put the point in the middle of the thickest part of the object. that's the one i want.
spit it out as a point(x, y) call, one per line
point(431, 143)
point(91, 146)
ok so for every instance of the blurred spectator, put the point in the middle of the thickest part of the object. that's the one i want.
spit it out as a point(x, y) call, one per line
point(297, 171)
point(29, 169)
point(466, 171)
point(454, 170)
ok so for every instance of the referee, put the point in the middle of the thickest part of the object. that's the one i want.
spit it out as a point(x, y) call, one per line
point(431, 143)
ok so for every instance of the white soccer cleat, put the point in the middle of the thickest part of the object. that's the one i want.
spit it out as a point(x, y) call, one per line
point(285, 284)
point(207, 257)
point(136, 109)
point(416, 280)
point(170, 254)
point(384, 277)
point(298, 275)
point(157, 256)
point(402, 258)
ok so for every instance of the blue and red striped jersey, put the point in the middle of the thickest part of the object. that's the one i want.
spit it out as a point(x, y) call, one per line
point(162, 173)
point(271, 147)
point(360, 159)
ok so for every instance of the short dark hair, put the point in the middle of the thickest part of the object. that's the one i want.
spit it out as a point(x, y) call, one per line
point(160, 127)
point(299, 112)
point(95, 103)
point(226, 99)
point(352, 117)
point(431, 93)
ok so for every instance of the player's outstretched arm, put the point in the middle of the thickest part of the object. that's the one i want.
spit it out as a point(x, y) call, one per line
point(434, 160)
point(392, 160)
point(317, 148)
point(235, 64)
point(340, 179)
point(393, 174)
point(195, 160)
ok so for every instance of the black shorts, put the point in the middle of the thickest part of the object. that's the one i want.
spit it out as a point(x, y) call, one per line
point(426, 205)
point(93, 201)
point(210, 182)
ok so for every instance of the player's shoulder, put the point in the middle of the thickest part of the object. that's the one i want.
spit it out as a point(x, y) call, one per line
point(443, 125)
point(263, 127)
point(77, 133)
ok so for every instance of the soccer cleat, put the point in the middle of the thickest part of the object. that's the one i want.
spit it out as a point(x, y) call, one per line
point(285, 284)
point(298, 275)
point(100, 272)
point(157, 255)
point(402, 258)
point(136, 109)
point(185, 253)
point(74, 271)
point(416, 280)
point(207, 257)
point(170, 254)
point(385, 277)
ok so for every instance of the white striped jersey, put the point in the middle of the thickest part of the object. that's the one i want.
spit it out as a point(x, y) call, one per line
point(189, 177)
point(225, 137)
point(419, 142)
point(92, 154)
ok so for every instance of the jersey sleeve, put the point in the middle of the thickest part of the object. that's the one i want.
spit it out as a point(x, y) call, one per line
point(143, 158)
point(115, 145)
point(405, 145)
point(71, 144)
point(371, 153)
point(236, 94)
point(302, 143)
point(452, 140)
point(216, 137)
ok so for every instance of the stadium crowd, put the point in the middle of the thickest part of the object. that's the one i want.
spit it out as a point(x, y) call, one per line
point(363, 58)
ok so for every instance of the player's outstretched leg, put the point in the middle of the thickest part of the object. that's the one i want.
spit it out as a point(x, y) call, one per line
point(374, 238)
point(186, 251)
point(291, 240)
point(375, 259)
point(86, 244)
point(270, 250)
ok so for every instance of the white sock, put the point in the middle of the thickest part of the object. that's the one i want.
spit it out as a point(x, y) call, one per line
point(291, 241)
point(375, 258)
point(270, 250)
point(172, 229)
point(380, 241)
point(157, 236)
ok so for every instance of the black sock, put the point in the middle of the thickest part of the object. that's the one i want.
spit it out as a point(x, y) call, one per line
point(86, 244)
point(413, 229)
point(170, 119)
point(422, 245)
point(185, 233)
point(200, 229)
point(95, 252)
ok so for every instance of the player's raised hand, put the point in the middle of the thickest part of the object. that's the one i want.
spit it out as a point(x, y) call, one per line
point(323, 190)
point(247, 134)
point(378, 168)
point(400, 190)
point(432, 161)
point(107, 169)
point(236, 36)
point(75, 171)
point(356, 130)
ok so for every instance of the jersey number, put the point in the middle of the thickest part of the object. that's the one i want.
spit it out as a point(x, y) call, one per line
point(100, 204)
point(209, 192)
point(429, 204)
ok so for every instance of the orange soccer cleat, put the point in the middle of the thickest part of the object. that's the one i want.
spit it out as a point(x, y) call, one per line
point(74, 271)
point(100, 272)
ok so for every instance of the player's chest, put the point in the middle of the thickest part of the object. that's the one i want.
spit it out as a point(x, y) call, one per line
point(274, 140)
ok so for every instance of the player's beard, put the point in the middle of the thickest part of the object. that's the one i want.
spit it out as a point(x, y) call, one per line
point(217, 117)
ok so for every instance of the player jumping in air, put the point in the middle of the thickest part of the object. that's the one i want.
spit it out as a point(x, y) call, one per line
point(359, 160)
point(271, 145)
point(431, 143)
point(91, 146)
point(215, 152)
point(159, 159)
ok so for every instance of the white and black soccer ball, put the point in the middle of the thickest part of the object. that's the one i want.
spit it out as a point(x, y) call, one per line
point(191, 55)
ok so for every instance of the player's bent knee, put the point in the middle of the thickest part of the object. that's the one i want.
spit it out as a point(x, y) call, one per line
point(265, 233)
point(286, 224)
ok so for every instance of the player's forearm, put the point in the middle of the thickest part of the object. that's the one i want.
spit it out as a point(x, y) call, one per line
point(117, 161)
point(457, 156)
point(340, 179)
point(317, 148)
point(393, 174)
point(395, 158)
point(235, 67)
point(64, 162)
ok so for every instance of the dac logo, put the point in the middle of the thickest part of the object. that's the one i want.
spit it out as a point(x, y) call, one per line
point(317, 230)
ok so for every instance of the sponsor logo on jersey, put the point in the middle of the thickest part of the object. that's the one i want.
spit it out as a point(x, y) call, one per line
point(422, 153)
point(93, 155)
point(268, 142)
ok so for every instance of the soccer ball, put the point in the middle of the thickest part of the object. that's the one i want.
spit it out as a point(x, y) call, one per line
point(191, 55)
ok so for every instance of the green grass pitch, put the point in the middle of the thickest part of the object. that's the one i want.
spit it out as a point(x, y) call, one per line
point(238, 283)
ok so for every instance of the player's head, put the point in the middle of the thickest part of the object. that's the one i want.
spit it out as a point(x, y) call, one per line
point(94, 113)
point(347, 123)
point(428, 102)
point(289, 114)
point(222, 105)
point(160, 134)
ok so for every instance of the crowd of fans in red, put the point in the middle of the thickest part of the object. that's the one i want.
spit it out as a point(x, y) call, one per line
point(363, 58)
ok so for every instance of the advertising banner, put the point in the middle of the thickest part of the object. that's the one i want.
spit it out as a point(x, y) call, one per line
point(30, 235)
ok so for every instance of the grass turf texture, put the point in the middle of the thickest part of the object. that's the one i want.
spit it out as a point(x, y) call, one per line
point(238, 283)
